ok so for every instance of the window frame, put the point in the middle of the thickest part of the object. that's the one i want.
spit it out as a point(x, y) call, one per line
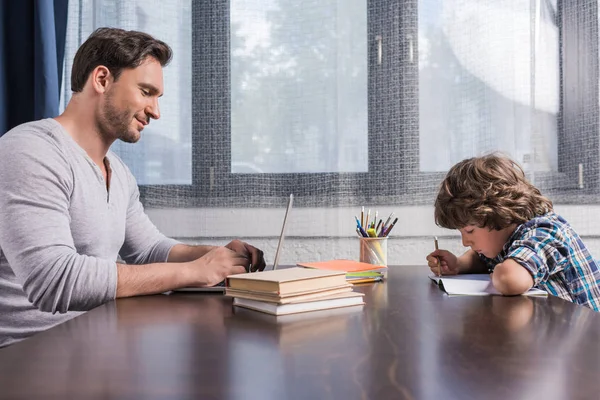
point(389, 86)
point(579, 108)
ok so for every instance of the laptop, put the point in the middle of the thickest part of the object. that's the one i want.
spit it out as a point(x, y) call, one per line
point(220, 288)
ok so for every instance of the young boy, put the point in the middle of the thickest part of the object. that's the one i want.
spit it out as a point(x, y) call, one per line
point(513, 233)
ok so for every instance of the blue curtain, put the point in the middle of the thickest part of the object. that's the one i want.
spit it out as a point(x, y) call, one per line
point(32, 46)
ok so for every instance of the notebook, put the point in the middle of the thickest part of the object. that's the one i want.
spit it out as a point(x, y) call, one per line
point(220, 287)
point(474, 285)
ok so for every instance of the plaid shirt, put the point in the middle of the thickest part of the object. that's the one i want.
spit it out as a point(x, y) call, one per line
point(549, 248)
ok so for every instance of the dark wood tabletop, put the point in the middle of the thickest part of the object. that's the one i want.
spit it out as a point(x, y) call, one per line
point(410, 341)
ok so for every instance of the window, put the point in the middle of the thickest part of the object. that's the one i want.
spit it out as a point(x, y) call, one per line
point(349, 102)
point(164, 155)
point(222, 176)
point(579, 124)
point(488, 81)
point(298, 86)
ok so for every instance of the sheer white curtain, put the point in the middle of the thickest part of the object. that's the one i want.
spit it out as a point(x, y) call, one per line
point(299, 86)
point(164, 154)
point(302, 80)
point(489, 81)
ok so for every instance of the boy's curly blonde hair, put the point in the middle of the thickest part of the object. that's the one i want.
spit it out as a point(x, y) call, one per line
point(489, 191)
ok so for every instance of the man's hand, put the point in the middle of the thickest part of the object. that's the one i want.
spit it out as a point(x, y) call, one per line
point(448, 261)
point(209, 269)
point(215, 266)
point(256, 256)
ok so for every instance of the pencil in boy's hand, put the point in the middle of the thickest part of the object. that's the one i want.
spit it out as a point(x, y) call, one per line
point(435, 242)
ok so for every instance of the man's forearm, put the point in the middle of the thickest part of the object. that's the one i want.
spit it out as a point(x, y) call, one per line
point(185, 253)
point(202, 270)
point(134, 280)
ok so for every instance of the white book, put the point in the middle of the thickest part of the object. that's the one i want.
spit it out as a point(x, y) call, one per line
point(474, 285)
point(334, 301)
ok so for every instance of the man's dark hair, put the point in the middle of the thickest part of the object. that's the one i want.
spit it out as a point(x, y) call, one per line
point(116, 49)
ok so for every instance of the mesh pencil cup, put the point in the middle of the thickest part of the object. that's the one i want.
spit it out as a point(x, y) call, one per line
point(373, 250)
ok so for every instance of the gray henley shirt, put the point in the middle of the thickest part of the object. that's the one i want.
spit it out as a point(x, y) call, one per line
point(62, 230)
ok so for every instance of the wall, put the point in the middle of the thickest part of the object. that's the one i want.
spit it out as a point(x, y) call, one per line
point(409, 243)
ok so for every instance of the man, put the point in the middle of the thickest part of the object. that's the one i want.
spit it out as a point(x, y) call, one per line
point(69, 206)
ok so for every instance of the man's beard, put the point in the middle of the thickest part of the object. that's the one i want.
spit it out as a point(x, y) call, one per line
point(115, 124)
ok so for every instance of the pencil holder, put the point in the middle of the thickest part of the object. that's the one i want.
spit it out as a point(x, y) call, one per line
point(373, 250)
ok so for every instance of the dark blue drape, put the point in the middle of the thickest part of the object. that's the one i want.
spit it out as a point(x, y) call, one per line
point(32, 46)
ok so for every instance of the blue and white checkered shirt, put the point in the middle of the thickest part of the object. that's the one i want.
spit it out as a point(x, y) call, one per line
point(549, 248)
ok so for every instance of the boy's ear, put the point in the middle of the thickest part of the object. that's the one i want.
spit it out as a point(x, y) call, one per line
point(101, 78)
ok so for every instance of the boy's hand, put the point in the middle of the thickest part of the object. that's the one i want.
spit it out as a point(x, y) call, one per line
point(449, 262)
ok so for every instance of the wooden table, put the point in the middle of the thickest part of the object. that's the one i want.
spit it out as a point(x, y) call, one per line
point(410, 341)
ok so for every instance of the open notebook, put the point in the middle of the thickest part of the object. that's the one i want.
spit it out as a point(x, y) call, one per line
point(474, 285)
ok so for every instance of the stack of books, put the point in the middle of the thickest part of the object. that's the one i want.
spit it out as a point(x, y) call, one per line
point(356, 271)
point(292, 290)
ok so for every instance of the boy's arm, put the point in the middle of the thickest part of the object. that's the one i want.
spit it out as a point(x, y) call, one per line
point(510, 278)
point(531, 260)
point(470, 263)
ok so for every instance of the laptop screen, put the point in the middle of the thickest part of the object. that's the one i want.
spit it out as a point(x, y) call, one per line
point(281, 236)
point(221, 287)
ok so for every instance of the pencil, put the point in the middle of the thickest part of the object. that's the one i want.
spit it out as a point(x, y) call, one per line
point(435, 243)
point(358, 225)
point(365, 280)
point(387, 221)
point(388, 230)
point(362, 216)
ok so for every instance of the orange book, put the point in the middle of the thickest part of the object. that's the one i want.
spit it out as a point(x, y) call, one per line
point(344, 265)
